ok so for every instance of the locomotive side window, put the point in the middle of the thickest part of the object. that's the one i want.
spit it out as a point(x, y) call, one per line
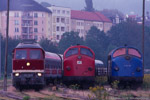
point(35, 54)
point(21, 54)
point(119, 52)
point(87, 52)
point(72, 51)
point(134, 52)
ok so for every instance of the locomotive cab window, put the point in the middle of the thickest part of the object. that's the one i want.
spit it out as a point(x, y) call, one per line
point(87, 52)
point(134, 52)
point(35, 54)
point(71, 52)
point(119, 52)
point(21, 54)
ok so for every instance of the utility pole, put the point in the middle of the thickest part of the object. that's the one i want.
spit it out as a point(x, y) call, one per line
point(143, 31)
point(6, 48)
point(0, 57)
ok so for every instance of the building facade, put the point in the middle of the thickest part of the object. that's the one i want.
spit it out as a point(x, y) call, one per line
point(27, 20)
point(82, 21)
point(61, 22)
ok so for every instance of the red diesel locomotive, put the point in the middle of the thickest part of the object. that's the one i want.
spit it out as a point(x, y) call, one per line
point(79, 65)
point(28, 64)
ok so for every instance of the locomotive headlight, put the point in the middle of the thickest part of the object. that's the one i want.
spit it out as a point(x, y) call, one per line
point(116, 68)
point(39, 74)
point(68, 68)
point(138, 69)
point(16, 74)
point(28, 64)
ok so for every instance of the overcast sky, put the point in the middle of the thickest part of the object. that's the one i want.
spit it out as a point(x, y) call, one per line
point(125, 6)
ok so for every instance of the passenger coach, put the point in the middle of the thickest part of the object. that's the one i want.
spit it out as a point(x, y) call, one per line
point(125, 65)
point(79, 65)
point(53, 67)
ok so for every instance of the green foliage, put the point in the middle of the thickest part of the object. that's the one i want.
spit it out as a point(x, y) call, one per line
point(74, 86)
point(26, 98)
point(69, 39)
point(89, 5)
point(12, 43)
point(146, 82)
point(100, 93)
point(126, 33)
point(101, 80)
point(49, 46)
point(45, 4)
point(98, 42)
point(111, 13)
point(115, 84)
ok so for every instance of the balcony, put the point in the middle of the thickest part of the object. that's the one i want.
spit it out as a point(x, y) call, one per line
point(27, 25)
point(24, 17)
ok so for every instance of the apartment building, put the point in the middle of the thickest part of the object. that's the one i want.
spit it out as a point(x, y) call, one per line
point(61, 22)
point(82, 21)
point(27, 20)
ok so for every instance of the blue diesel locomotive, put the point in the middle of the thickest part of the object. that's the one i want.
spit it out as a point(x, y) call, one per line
point(125, 64)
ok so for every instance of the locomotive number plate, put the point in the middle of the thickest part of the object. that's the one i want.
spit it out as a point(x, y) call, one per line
point(79, 62)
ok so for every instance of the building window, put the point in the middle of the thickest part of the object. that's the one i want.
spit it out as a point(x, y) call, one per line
point(42, 29)
point(57, 37)
point(63, 12)
point(35, 15)
point(57, 28)
point(63, 20)
point(35, 22)
point(16, 14)
point(54, 11)
point(16, 22)
point(16, 29)
point(58, 11)
point(35, 30)
point(42, 22)
point(57, 20)
point(68, 12)
point(78, 30)
point(36, 37)
point(62, 29)
point(78, 23)
point(67, 20)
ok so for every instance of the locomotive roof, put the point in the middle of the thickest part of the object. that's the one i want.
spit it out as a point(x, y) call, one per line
point(28, 45)
point(51, 55)
point(98, 62)
point(112, 51)
point(79, 46)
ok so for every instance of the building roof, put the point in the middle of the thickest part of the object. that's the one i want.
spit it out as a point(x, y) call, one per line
point(90, 16)
point(23, 5)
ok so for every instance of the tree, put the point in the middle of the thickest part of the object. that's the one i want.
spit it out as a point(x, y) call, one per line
point(89, 5)
point(126, 33)
point(98, 42)
point(69, 39)
point(112, 13)
point(12, 43)
point(49, 46)
point(45, 4)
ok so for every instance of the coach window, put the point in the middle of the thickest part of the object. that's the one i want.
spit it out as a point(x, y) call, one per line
point(72, 51)
point(87, 52)
point(134, 52)
point(119, 52)
point(21, 54)
point(35, 54)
